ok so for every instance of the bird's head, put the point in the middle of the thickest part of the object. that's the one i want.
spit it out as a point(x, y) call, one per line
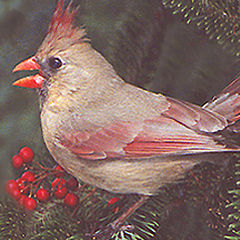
point(58, 52)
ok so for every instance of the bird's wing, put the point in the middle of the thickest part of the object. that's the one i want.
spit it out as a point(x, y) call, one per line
point(181, 129)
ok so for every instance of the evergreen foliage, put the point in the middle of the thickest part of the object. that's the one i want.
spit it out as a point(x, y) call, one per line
point(191, 209)
point(201, 197)
point(12, 221)
point(234, 216)
point(219, 19)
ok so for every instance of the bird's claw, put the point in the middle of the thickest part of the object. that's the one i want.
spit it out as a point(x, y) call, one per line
point(107, 232)
point(104, 233)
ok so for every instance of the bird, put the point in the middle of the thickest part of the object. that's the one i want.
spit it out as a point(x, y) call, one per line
point(114, 135)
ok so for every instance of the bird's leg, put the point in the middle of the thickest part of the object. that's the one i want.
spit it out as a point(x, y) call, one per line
point(117, 224)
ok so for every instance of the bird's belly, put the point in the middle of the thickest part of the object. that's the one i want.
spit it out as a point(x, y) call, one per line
point(143, 176)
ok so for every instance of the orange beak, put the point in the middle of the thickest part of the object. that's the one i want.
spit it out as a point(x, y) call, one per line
point(34, 81)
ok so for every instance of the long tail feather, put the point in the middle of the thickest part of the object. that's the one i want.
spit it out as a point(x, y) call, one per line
point(227, 102)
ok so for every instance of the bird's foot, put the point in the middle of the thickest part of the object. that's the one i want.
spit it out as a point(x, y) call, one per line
point(107, 232)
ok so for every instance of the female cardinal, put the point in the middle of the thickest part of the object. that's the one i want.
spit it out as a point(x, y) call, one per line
point(114, 135)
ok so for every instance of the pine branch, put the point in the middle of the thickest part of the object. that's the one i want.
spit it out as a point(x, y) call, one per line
point(12, 221)
point(52, 221)
point(219, 19)
point(234, 216)
point(146, 220)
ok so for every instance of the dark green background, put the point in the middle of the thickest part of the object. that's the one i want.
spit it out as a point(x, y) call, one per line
point(188, 65)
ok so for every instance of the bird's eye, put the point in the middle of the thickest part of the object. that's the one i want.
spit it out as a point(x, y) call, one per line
point(55, 62)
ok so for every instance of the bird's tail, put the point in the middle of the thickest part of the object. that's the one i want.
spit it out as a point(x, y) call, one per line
point(227, 102)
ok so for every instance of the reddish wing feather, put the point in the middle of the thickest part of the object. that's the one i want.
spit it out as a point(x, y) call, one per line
point(130, 140)
point(195, 117)
point(227, 103)
point(102, 143)
point(166, 135)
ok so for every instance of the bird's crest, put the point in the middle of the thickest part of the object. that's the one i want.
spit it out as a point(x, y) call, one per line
point(61, 30)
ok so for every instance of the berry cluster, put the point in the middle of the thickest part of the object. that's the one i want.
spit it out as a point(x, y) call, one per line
point(33, 185)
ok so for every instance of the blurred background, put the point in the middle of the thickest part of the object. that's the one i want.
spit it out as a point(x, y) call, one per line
point(147, 45)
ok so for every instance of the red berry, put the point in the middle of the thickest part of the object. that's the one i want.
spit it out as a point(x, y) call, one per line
point(58, 183)
point(21, 200)
point(71, 200)
point(60, 193)
point(15, 193)
point(10, 186)
point(26, 154)
point(72, 183)
point(17, 161)
point(42, 194)
point(28, 176)
point(58, 186)
point(59, 172)
point(30, 203)
point(113, 200)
